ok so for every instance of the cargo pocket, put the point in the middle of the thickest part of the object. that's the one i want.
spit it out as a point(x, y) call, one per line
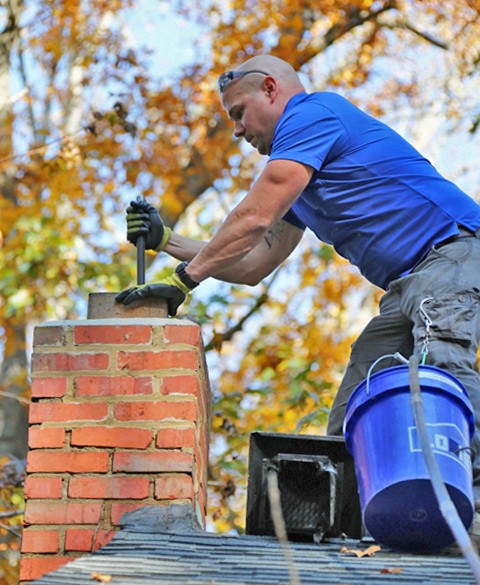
point(453, 318)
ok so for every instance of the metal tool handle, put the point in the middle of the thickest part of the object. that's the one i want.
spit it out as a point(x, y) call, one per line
point(140, 243)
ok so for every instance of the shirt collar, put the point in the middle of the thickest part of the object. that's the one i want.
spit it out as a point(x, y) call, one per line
point(293, 101)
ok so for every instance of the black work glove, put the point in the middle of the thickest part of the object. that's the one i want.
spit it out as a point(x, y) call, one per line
point(173, 288)
point(144, 219)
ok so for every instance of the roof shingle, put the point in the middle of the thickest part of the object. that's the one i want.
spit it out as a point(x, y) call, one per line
point(169, 554)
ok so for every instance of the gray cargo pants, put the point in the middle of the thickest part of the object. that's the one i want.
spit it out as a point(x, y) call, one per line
point(449, 277)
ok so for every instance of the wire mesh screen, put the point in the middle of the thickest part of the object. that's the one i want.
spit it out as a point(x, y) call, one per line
point(307, 487)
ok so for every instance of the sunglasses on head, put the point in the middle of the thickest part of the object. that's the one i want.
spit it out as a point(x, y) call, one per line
point(226, 78)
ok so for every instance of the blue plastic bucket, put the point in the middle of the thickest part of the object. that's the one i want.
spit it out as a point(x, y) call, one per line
point(398, 503)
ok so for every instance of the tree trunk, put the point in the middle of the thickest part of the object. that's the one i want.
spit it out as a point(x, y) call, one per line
point(13, 369)
point(14, 414)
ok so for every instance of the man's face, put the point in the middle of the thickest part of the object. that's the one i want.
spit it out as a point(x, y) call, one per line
point(251, 111)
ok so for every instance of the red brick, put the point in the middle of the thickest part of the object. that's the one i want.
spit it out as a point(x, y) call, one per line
point(180, 385)
point(64, 412)
point(46, 438)
point(36, 512)
point(112, 334)
point(67, 462)
point(40, 541)
point(66, 362)
point(135, 411)
point(49, 335)
point(118, 510)
point(169, 461)
point(81, 539)
point(171, 487)
point(49, 387)
point(112, 386)
point(173, 438)
point(32, 568)
point(125, 437)
point(43, 487)
point(189, 334)
point(157, 360)
point(133, 488)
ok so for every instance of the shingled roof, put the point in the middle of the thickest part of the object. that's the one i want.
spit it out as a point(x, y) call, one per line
point(164, 546)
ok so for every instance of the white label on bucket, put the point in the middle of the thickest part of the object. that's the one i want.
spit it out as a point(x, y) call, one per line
point(445, 439)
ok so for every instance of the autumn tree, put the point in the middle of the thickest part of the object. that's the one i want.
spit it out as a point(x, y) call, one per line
point(90, 121)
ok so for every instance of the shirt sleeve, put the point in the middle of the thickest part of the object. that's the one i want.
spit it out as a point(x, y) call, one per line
point(310, 133)
point(292, 218)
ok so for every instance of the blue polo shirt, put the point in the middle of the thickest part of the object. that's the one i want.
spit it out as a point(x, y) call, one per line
point(372, 195)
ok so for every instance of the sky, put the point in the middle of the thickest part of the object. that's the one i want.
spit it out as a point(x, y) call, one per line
point(174, 40)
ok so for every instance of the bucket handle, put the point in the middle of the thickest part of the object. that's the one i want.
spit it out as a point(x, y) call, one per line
point(397, 356)
point(469, 449)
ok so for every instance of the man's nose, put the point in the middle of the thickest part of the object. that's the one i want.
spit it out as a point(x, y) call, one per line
point(238, 130)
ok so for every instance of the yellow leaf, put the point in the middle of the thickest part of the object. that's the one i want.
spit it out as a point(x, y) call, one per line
point(101, 578)
point(368, 552)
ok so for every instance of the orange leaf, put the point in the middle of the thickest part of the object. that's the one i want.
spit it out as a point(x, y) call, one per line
point(101, 578)
point(368, 552)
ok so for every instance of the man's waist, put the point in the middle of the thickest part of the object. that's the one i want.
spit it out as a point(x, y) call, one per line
point(463, 232)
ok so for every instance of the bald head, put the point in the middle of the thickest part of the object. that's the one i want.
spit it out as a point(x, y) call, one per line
point(274, 66)
point(277, 67)
point(255, 96)
point(285, 75)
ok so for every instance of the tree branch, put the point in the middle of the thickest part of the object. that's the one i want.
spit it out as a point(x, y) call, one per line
point(354, 19)
point(227, 335)
point(14, 396)
point(49, 96)
point(11, 513)
point(23, 75)
point(11, 530)
point(425, 36)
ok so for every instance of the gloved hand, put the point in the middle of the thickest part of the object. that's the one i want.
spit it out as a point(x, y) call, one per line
point(144, 219)
point(173, 288)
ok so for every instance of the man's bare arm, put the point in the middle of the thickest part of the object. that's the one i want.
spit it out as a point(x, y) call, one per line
point(277, 244)
point(248, 224)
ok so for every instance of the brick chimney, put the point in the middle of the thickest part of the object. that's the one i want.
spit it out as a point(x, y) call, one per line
point(119, 420)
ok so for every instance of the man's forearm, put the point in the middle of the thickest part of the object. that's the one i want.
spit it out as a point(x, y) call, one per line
point(223, 254)
point(183, 248)
point(244, 229)
point(266, 203)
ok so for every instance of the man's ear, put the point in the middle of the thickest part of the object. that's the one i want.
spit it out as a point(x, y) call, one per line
point(270, 87)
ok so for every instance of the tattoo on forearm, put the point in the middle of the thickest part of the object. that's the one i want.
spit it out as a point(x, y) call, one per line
point(274, 233)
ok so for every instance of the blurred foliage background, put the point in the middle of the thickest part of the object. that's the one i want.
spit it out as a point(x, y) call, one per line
point(98, 105)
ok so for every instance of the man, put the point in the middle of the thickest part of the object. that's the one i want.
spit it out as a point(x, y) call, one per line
point(360, 187)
